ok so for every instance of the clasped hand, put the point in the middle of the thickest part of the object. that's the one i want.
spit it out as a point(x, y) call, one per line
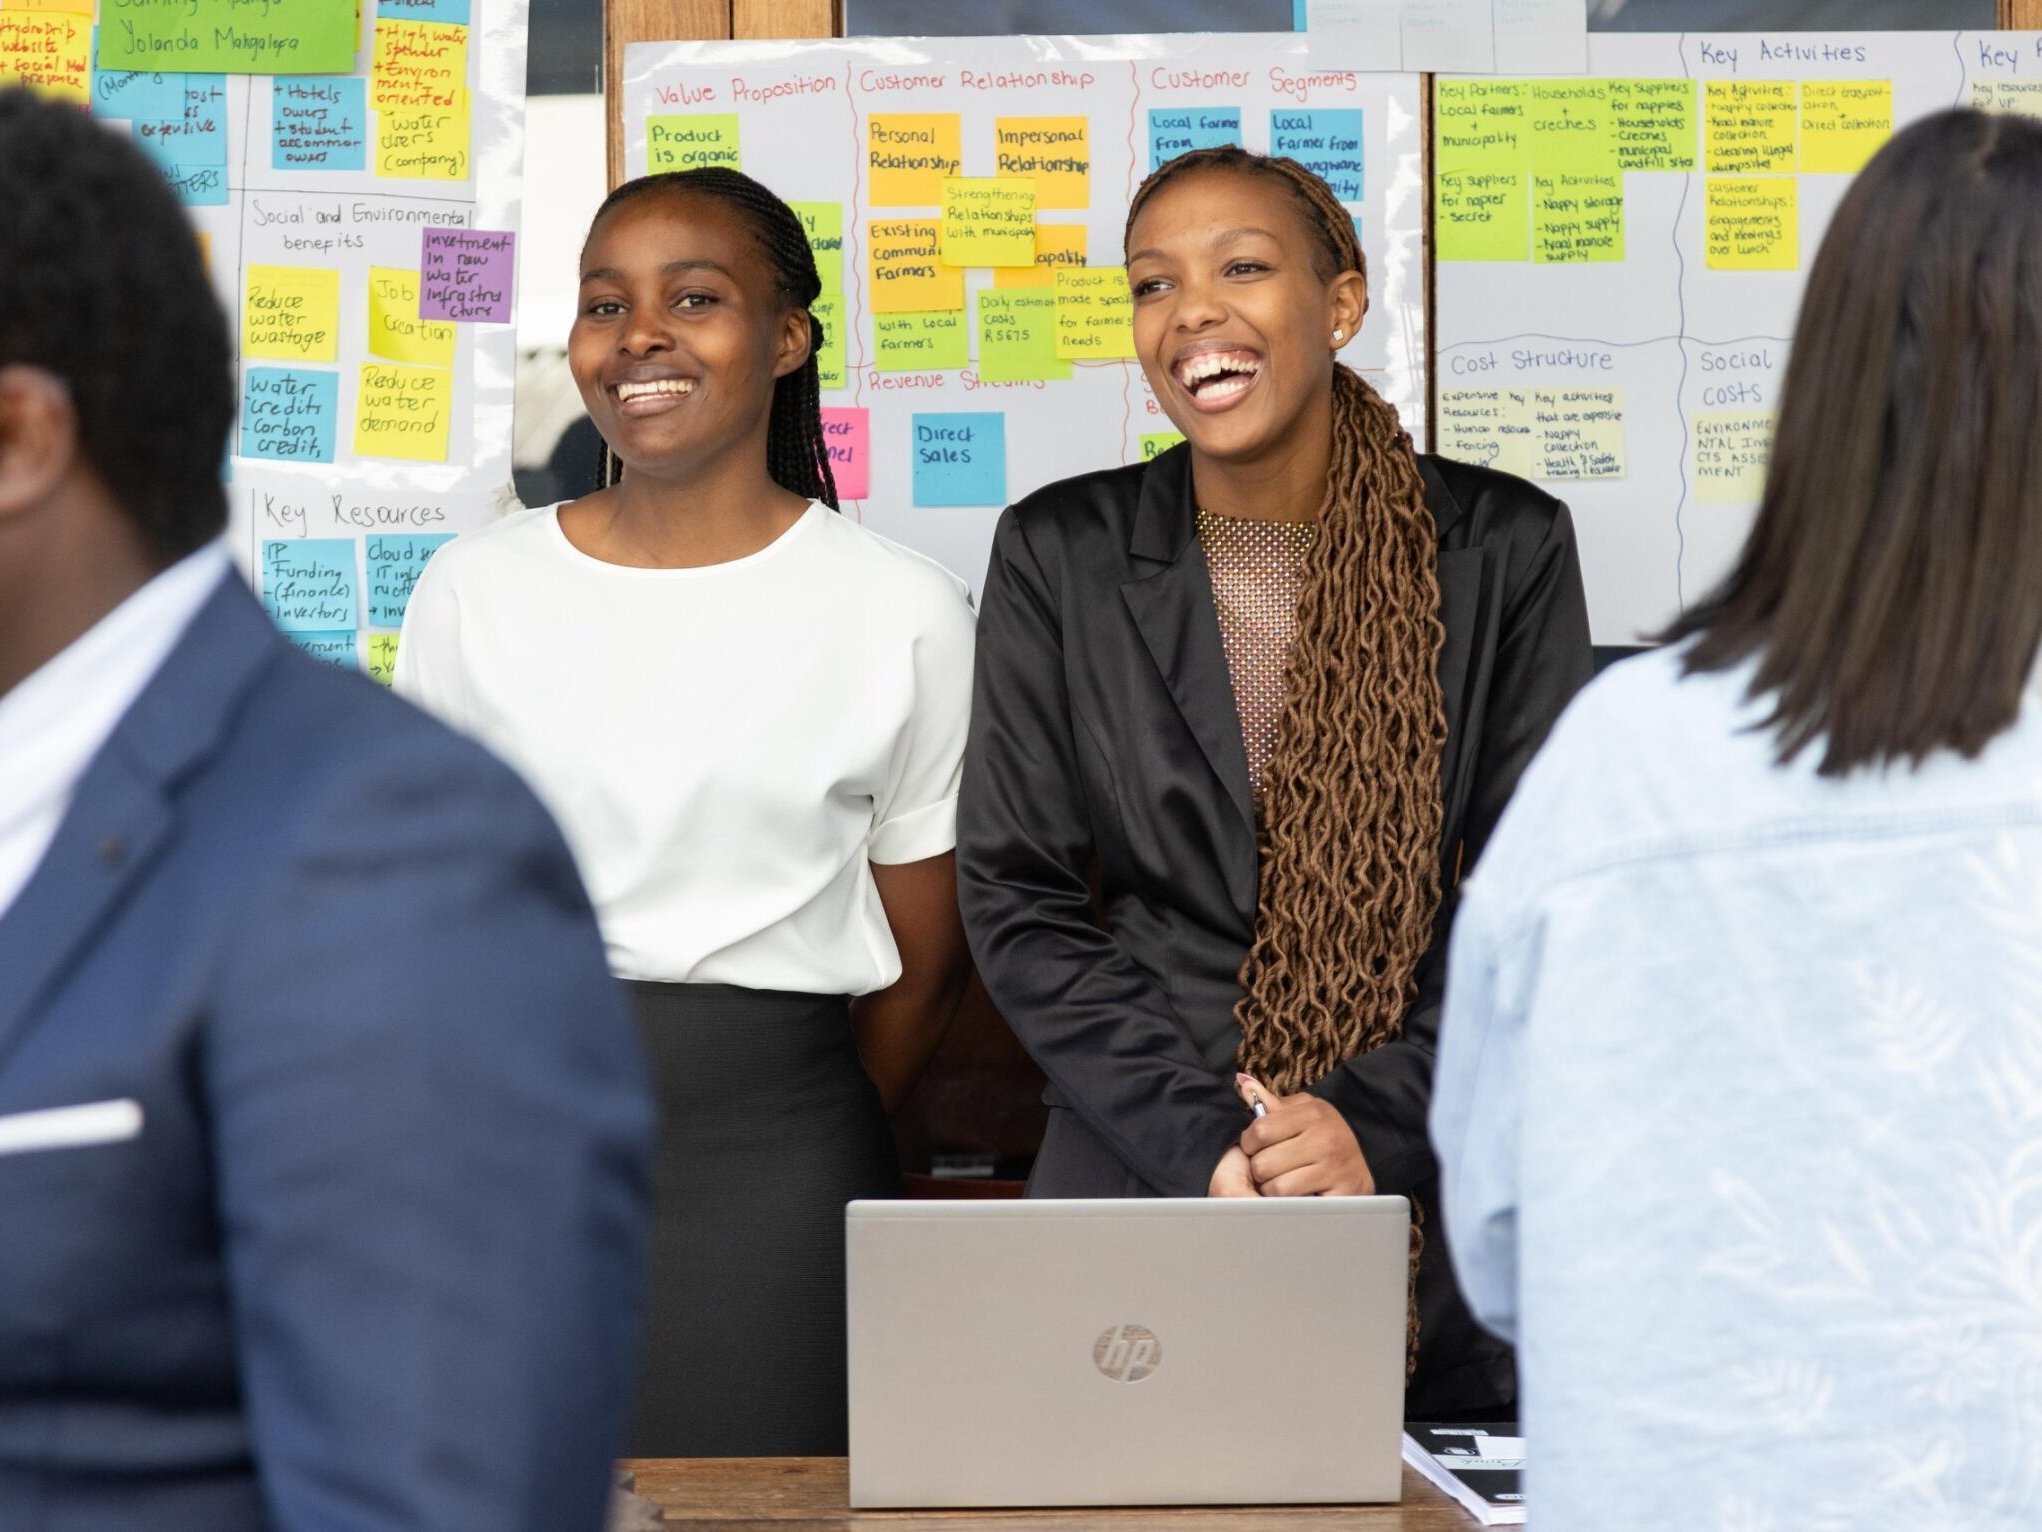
point(1302, 1148)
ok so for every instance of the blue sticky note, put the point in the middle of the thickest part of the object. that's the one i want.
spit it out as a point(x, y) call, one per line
point(395, 563)
point(1297, 15)
point(308, 584)
point(455, 11)
point(337, 647)
point(960, 459)
point(199, 185)
point(290, 414)
point(137, 95)
point(319, 122)
point(1327, 143)
point(196, 134)
point(1176, 130)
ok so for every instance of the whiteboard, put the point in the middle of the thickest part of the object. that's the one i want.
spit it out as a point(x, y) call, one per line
point(804, 115)
point(1693, 351)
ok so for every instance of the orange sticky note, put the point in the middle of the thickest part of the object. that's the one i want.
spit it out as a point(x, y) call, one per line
point(909, 154)
point(908, 274)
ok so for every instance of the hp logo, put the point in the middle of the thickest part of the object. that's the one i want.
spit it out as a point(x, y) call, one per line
point(1128, 1353)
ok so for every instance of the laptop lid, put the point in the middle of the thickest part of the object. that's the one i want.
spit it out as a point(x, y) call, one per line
point(1122, 1352)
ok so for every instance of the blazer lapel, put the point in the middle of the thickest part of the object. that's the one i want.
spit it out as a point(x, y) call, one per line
point(1173, 609)
point(122, 814)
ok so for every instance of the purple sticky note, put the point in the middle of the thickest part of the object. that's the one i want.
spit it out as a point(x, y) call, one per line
point(467, 274)
point(847, 433)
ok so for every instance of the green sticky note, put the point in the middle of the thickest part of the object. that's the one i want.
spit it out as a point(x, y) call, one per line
point(1017, 336)
point(383, 657)
point(1654, 123)
point(230, 37)
point(691, 140)
point(1572, 127)
point(823, 222)
point(829, 313)
point(1156, 443)
point(1577, 218)
point(936, 341)
point(1483, 215)
point(1482, 125)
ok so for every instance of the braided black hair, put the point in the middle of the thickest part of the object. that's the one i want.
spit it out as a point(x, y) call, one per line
point(102, 284)
point(796, 455)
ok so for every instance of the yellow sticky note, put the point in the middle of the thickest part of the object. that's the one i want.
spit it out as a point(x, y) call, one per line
point(395, 330)
point(908, 274)
point(936, 342)
point(1491, 427)
point(1748, 126)
point(1482, 125)
point(1156, 443)
point(404, 412)
point(417, 64)
point(1017, 336)
point(1579, 433)
point(1572, 127)
point(691, 140)
point(1053, 152)
point(1844, 123)
point(292, 314)
point(823, 223)
point(909, 154)
point(50, 51)
point(383, 657)
point(988, 221)
point(424, 143)
point(1483, 215)
point(1731, 450)
point(828, 311)
point(1094, 314)
point(68, 7)
point(1057, 246)
point(1577, 218)
point(2022, 96)
point(1655, 124)
point(1753, 223)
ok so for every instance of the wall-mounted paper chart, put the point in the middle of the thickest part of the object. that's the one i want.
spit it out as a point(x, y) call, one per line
point(966, 197)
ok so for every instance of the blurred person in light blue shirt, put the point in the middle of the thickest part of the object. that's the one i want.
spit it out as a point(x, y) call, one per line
point(1739, 1099)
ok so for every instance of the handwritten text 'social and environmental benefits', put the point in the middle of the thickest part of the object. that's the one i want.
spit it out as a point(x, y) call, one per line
point(691, 141)
point(468, 275)
point(1094, 314)
point(395, 563)
point(1053, 152)
point(847, 437)
point(908, 274)
point(404, 412)
point(308, 584)
point(292, 314)
point(290, 414)
point(987, 221)
point(301, 37)
point(960, 459)
point(909, 154)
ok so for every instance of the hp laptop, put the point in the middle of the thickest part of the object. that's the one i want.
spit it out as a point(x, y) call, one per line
point(1125, 1352)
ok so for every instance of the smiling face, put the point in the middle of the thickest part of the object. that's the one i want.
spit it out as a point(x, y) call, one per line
point(1233, 316)
point(681, 334)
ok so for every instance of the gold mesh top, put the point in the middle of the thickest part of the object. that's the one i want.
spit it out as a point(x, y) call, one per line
point(1258, 568)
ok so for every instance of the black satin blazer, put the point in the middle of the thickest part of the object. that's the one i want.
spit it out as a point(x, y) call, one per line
point(1105, 742)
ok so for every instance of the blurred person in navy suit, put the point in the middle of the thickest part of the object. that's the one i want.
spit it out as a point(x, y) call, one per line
point(324, 1131)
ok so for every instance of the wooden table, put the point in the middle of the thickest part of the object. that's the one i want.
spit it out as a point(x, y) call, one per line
point(785, 1493)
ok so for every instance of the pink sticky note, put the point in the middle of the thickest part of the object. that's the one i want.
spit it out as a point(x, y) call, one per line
point(847, 433)
point(467, 274)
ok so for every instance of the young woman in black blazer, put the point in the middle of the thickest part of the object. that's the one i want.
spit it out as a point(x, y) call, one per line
point(1242, 715)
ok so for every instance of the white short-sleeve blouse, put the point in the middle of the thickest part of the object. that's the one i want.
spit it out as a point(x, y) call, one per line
point(727, 748)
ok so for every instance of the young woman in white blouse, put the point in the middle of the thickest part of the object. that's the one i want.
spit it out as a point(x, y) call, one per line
point(748, 713)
